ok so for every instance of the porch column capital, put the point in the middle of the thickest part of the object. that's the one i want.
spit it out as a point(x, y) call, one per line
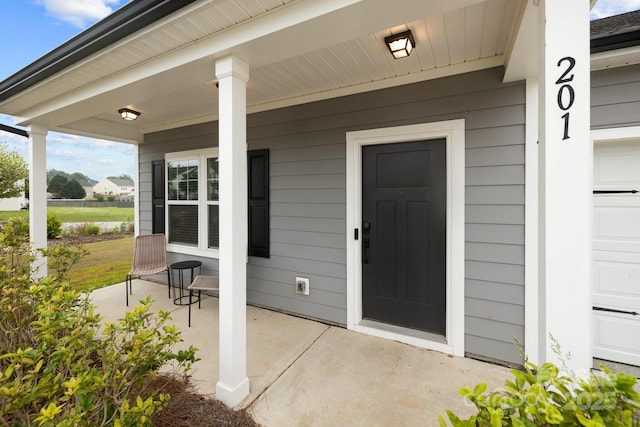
point(232, 66)
point(38, 130)
point(38, 194)
point(565, 162)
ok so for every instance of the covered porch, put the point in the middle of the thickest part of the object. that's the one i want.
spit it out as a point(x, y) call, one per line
point(304, 372)
point(504, 83)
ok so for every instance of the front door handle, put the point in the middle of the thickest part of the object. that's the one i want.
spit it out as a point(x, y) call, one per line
point(366, 227)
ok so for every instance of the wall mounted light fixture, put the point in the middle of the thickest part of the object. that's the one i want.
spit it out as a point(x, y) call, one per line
point(128, 114)
point(401, 44)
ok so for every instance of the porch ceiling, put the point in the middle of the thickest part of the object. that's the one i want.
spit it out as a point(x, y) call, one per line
point(298, 50)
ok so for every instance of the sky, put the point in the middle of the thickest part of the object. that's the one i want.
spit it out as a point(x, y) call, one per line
point(31, 28)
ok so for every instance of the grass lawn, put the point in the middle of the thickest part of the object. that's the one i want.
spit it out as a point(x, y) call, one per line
point(108, 263)
point(76, 214)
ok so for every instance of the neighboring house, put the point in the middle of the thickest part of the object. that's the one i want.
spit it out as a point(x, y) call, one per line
point(114, 186)
point(87, 185)
point(443, 199)
point(14, 204)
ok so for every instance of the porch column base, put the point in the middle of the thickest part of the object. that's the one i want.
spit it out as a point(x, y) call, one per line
point(232, 395)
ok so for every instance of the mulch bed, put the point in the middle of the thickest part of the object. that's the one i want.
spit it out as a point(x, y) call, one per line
point(188, 408)
point(81, 240)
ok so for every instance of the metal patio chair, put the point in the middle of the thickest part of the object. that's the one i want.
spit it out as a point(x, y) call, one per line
point(201, 283)
point(149, 258)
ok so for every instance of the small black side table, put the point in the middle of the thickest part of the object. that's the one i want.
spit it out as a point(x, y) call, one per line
point(181, 266)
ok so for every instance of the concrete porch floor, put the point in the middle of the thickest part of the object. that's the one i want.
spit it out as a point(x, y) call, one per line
point(306, 373)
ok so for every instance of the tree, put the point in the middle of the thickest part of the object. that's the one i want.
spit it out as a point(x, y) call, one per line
point(72, 190)
point(14, 170)
point(53, 172)
point(123, 176)
point(55, 185)
point(79, 176)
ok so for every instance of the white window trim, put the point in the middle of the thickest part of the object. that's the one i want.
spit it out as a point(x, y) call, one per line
point(203, 237)
point(453, 131)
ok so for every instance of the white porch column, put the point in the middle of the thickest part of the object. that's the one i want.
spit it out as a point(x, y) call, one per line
point(565, 181)
point(38, 194)
point(232, 74)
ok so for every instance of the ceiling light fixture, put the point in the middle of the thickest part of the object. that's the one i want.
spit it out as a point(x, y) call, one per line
point(128, 114)
point(400, 44)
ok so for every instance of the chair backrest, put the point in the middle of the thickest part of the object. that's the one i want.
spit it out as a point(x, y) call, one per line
point(150, 252)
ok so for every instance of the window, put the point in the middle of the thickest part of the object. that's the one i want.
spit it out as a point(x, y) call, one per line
point(192, 201)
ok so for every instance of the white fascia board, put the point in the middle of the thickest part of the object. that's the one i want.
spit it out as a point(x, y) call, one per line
point(102, 129)
point(522, 58)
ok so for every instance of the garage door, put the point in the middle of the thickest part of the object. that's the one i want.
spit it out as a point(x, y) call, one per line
point(616, 251)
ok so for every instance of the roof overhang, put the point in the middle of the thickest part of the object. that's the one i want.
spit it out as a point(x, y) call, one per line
point(615, 42)
point(298, 50)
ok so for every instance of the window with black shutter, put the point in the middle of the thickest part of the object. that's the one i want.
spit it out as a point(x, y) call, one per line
point(157, 196)
point(258, 193)
point(192, 201)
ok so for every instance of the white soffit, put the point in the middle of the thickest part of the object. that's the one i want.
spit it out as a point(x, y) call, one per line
point(166, 71)
point(615, 58)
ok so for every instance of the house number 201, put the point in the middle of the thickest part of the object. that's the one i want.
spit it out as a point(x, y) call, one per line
point(566, 94)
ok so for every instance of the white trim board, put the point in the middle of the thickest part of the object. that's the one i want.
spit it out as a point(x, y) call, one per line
point(453, 131)
point(615, 134)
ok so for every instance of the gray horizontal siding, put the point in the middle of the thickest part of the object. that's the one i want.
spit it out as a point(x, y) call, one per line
point(615, 97)
point(308, 191)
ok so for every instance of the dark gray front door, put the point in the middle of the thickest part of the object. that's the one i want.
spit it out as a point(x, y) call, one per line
point(404, 209)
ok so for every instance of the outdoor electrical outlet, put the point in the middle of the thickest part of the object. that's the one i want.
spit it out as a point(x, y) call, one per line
point(302, 285)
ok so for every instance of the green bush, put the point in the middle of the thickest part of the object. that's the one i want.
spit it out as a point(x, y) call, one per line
point(59, 365)
point(543, 396)
point(54, 227)
point(92, 229)
point(100, 197)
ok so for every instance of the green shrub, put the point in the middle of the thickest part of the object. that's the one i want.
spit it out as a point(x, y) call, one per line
point(92, 229)
point(126, 227)
point(543, 396)
point(78, 230)
point(54, 227)
point(59, 365)
point(100, 197)
point(111, 198)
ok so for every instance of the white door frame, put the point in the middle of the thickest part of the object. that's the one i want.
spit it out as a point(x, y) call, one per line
point(453, 131)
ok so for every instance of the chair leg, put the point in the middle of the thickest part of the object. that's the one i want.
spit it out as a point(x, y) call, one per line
point(169, 282)
point(190, 295)
point(199, 298)
point(127, 286)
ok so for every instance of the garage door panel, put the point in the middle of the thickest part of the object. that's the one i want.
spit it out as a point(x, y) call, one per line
point(617, 278)
point(616, 251)
point(617, 337)
point(617, 223)
point(615, 164)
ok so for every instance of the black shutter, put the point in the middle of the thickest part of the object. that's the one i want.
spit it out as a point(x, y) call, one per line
point(157, 196)
point(258, 171)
